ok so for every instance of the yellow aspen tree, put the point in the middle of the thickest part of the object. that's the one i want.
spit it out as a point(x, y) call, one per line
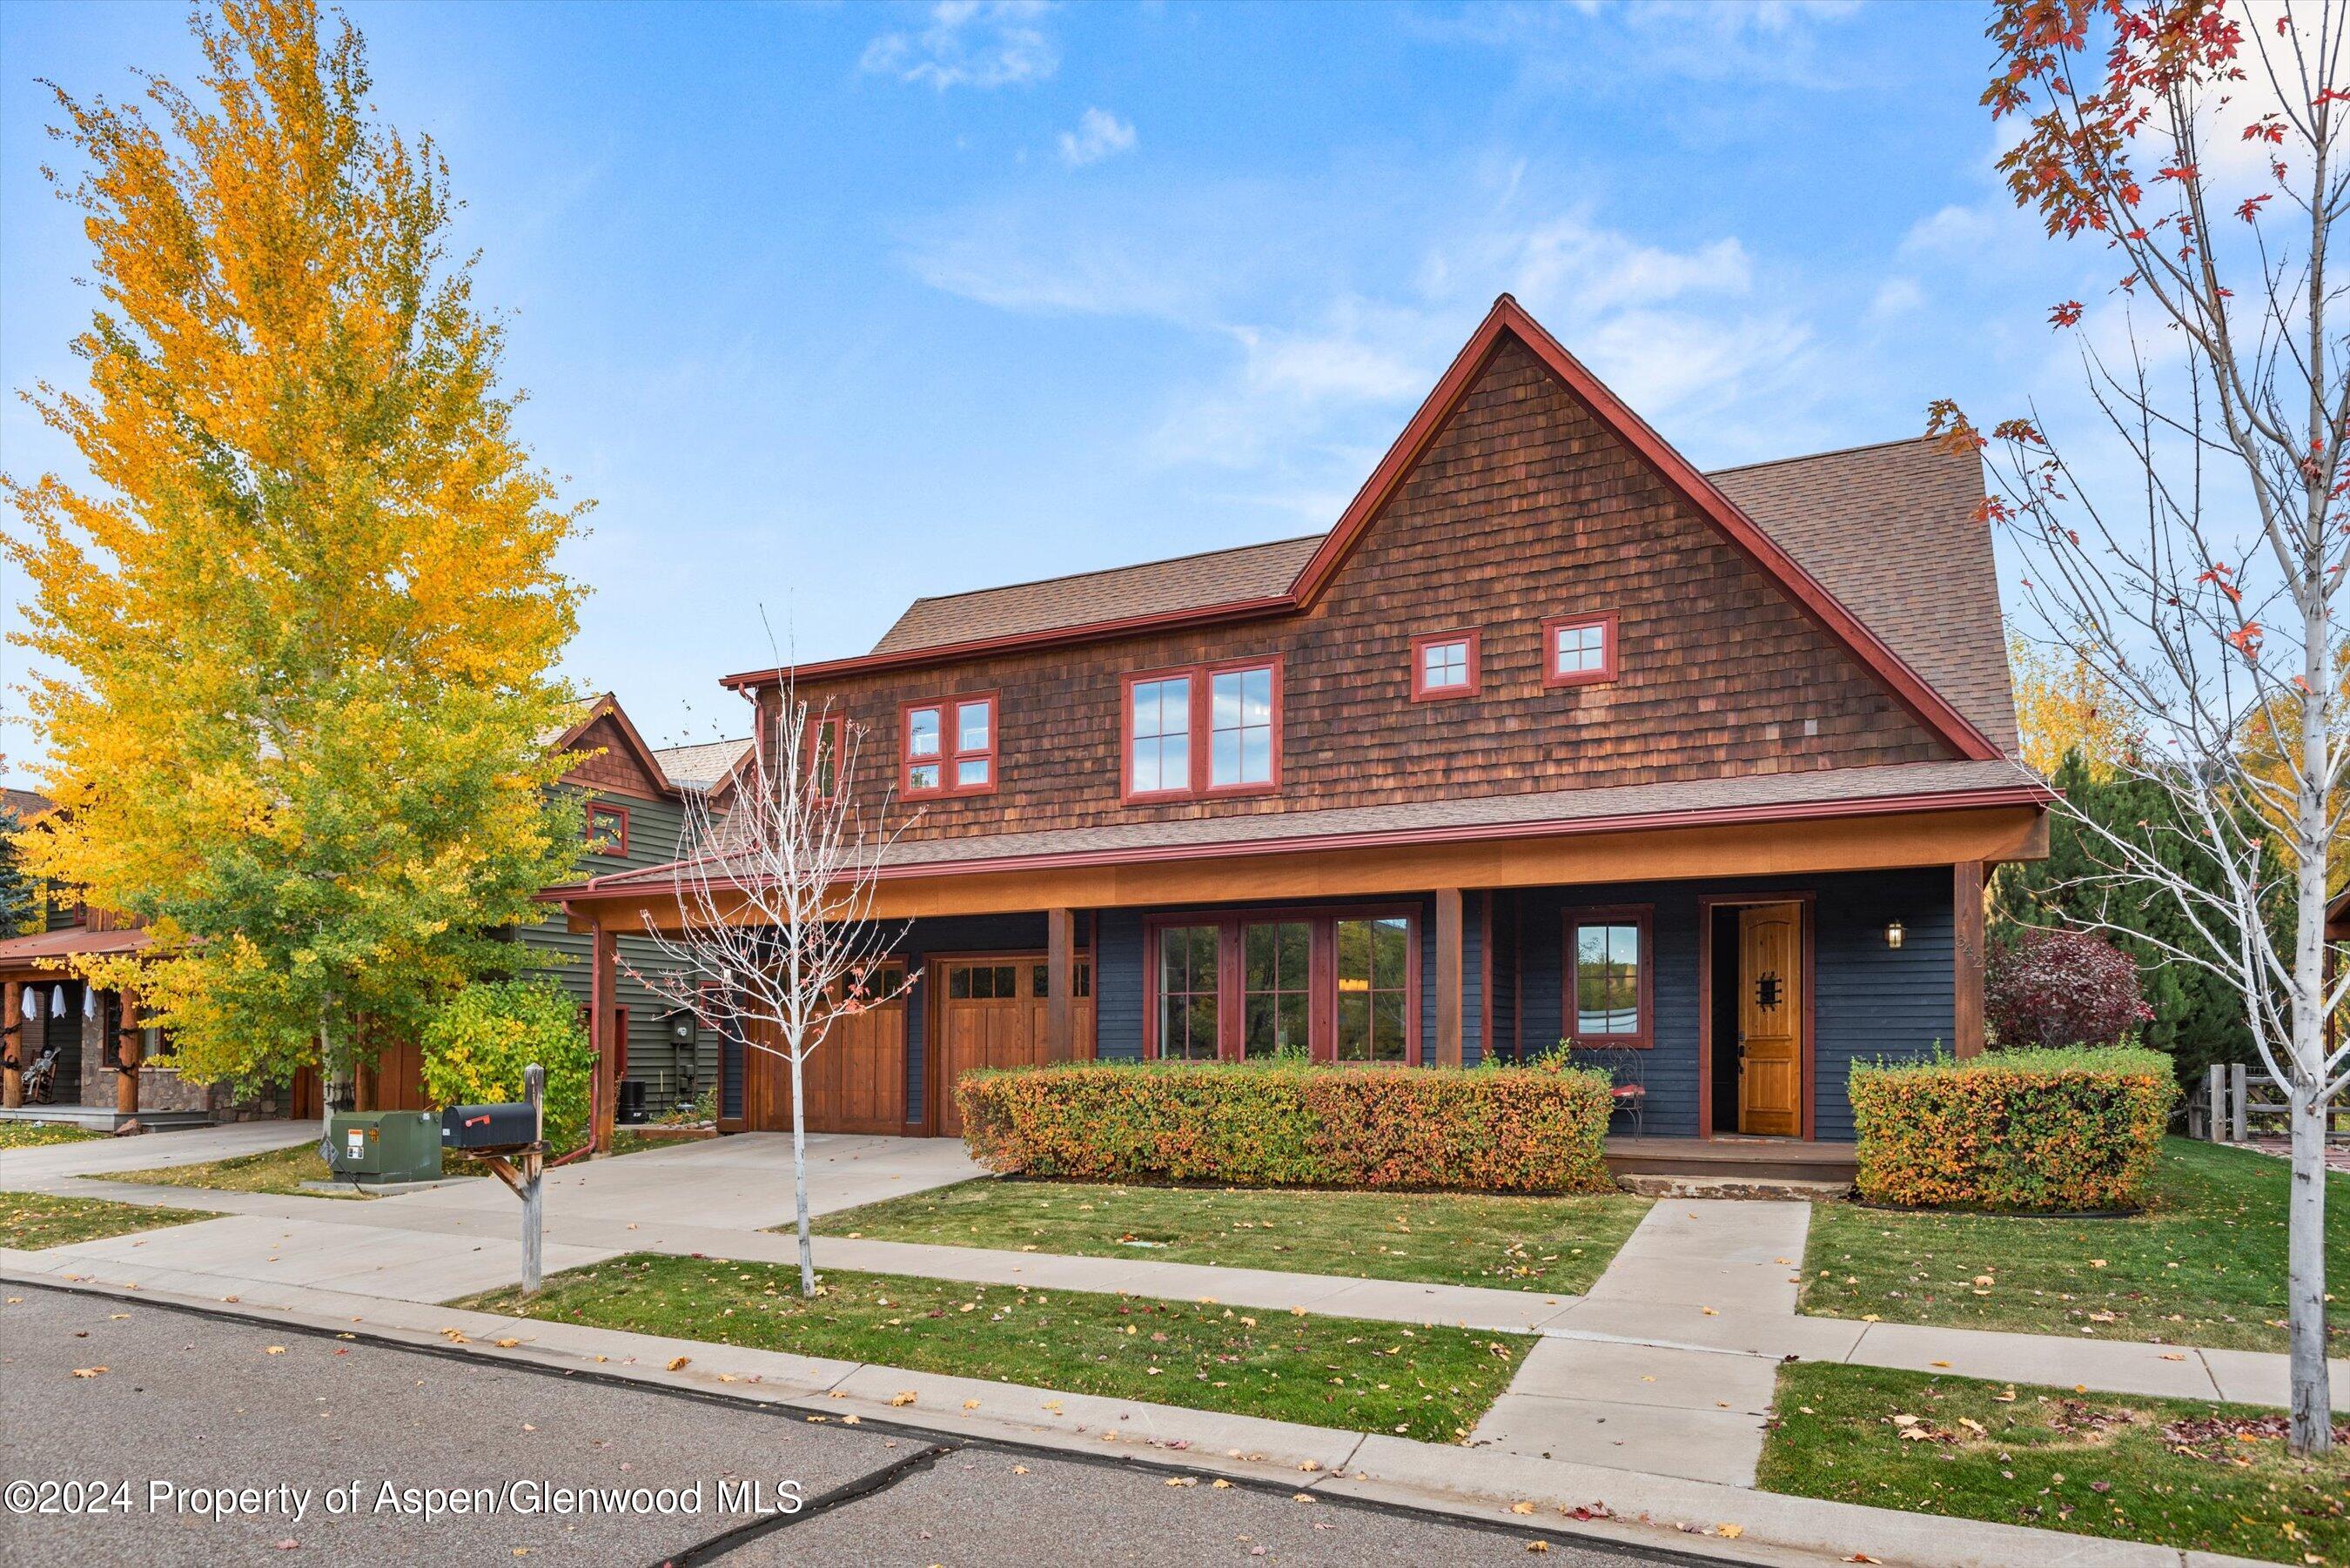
point(2063, 706)
point(294, 638)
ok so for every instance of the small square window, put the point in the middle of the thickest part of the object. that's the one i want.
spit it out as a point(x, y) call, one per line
point(1444, 664)
point(950, 746)
point(1579, 652)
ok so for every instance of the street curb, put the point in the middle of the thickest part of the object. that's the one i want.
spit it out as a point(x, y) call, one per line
point(1640, 1510)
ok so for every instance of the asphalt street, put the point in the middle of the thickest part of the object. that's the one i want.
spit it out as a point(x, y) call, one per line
point(134, 1434)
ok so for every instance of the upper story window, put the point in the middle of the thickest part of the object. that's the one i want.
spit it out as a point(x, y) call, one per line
point(950, 746)
point(1444, 664)
point(605, 829)
point(1578, 650)
point(1210, 730)
point(827, 734)
point(1610, 994)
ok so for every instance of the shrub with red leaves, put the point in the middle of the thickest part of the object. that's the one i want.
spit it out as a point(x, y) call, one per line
point(2061, 988)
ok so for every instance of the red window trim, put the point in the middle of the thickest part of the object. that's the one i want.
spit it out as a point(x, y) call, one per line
point(1423, 693)
point(1201, 676)
point(617, 845)
point(1644, 916)
point(1322, 970)
point(949, 755)
point(1553, 676)
point(838, 724)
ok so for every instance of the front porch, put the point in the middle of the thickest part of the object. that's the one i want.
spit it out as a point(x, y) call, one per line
point(1732, 1165)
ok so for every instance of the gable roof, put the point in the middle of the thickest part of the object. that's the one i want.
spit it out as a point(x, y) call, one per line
point(607, 706)
point(1242, 584)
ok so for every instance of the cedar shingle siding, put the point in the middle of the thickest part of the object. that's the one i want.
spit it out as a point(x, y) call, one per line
point(1524, 506)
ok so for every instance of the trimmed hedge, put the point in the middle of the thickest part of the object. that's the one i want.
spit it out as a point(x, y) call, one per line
point(1289, 1125)
point(2044, 1131)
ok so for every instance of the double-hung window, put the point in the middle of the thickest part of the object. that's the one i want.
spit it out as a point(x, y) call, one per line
point(948, 747)
point(1334, 985)
point(1204, 731)
point(1610, 993)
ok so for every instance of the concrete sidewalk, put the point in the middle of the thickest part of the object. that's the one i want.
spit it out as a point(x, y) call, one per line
point(1646, 1511)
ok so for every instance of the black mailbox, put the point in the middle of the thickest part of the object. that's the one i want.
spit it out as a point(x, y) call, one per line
point(488, 1127)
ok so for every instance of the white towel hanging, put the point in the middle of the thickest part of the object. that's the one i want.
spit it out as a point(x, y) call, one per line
point(88, 1003)
point(58, 1002)
point(33, 1002)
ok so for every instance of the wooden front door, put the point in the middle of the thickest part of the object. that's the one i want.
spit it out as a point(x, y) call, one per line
point(855, 1081)
point(1771, 1003)
point(991, 1013)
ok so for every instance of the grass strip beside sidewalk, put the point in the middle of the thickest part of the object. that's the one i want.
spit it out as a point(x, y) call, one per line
point(30, 1221)
point(1558, 1245)
point(2205, 1264)
point(2196, 1475)
point(41, 1134)
point(1429, 1384)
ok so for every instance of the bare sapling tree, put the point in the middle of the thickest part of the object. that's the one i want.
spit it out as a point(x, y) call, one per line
point(774, 939)
point(2190, 549)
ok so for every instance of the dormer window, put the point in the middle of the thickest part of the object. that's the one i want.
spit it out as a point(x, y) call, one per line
point(1578, 650)
point(1444, 664)
point(948, 747)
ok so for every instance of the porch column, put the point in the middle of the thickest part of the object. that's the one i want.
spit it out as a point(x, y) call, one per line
point(1060, 978)
point(1447, 977)
point(12, 1045)
point(1967, 939)
point(130, 1051)
point(602, 952)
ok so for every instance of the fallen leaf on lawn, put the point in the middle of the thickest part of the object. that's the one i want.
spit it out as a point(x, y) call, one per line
point(678, 1361)
point(88, 1371)
point(902, 1397)
point(2006, 1398)
point(2097, 1262)
point(1871, 1317)
point(1297, 1311)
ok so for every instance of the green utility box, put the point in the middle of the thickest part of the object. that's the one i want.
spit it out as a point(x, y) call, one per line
point(371, 1147)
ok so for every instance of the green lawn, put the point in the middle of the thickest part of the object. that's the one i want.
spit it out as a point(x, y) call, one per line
point(2204, 1265)
point(1558, 1244)
point(277, 1171)
point(37, 1135)
point(2196, 1475)
point(1430, 1383)
point(34, 1219)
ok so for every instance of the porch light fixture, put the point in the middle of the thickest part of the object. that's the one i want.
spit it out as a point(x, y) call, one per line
point(1893, 934)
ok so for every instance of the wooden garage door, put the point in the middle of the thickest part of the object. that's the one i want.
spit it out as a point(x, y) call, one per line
point(855, 1081)
point(991, 1014)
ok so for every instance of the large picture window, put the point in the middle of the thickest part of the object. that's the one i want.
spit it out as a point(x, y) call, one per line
point(1208, 730)
point(1610, 997)
point(1337, 984)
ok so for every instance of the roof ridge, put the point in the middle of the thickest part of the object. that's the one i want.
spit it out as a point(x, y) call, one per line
point(1130, 566)
point(1815, 456)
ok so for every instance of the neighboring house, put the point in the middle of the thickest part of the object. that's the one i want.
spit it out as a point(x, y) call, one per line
point(70, 1053)
point(1552, 738)
point(633, 814)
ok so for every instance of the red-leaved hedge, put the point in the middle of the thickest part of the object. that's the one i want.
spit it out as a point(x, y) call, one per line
point(1283, 1124)
point(2048, 1131)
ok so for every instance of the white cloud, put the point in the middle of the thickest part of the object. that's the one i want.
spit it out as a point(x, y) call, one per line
point(1099, 134)
point(969, 43)
point(1765, 41)
point(1895, 296)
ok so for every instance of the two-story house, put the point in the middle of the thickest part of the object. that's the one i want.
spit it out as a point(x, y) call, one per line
point(1551, 739)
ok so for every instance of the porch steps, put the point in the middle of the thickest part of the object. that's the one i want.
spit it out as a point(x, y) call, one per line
point(1731, 1166)
point(106, 1118)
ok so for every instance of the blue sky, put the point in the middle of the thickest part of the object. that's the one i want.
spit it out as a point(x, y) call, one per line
point(829, 306)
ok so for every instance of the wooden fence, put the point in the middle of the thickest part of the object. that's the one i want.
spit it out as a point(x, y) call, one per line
point(2233, 1105)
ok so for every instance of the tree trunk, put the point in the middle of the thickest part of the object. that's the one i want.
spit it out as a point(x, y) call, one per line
point(2312, 1399)
point(799, 1182)
point(326, 1083)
